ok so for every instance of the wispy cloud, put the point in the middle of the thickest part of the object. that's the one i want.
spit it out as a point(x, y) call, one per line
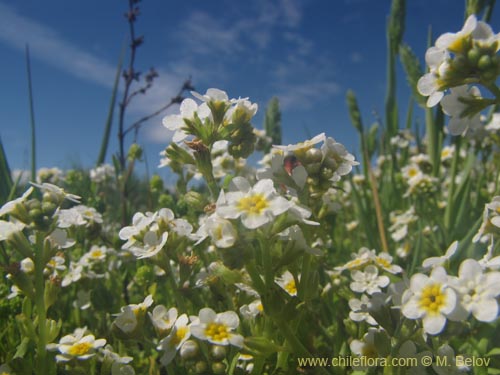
point(48, 45)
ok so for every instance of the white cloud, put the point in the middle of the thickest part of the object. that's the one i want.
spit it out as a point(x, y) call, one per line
point(46, 44)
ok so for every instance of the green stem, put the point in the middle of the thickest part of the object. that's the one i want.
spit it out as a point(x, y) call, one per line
point(451, 190)
point(294, 342)
point(175, 290)
point(40, 305)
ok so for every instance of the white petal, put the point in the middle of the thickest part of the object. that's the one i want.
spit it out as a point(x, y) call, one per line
point(434, 324)
point(486, 310)
point(207, 315)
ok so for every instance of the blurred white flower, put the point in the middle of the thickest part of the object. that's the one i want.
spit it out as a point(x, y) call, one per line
point(217, 328)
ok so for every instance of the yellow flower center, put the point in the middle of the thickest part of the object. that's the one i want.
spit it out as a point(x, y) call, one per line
point(80, 348)
point(96, 253)
point(445, 153)
point(412, 172)
point(432, 299)
point(260, 307)
point(291, 288)
point(253, 204)
point(369, 351)
point(217, 331)
point(180, 333)
point(382, 262)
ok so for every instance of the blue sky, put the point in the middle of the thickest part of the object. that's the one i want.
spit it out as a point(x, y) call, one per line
point(306, 52)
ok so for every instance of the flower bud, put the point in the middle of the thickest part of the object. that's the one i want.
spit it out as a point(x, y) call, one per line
point(48, 208)
point(473, 56)
point(484, 62)
point(189, 350)
point(218, 352)
point(218, 368)
point(134, 152)
point(200, 367)
point(156, 183)
point(313, 155)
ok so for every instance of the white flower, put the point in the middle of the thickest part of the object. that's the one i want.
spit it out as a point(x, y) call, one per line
point(359, 310)
point(454, 41)
point(256, 205)
point(448, 364)
point(302, 146)
point(447, 153)
point(163, 319)
point(221, 231)
point(429, 299)
point(361, 258)
point(77, 346)
point(212, 95)
point(491, 221)
point(337, 158)
point(127, 320)
point(189, 109)
point(384, 261)
point(151, 245)
point(59, 239)
point(251, 310)
point(102, 173)
point(217, 328)
point(439, 261)
point(57, 192)
point(454, 106)
point(74, 274)
point(287, 283)
point(366, 348)
point(430, 84)
point(242, 110)
point(9, 228)
point(368, 281)
point(289, 175)
point(10, 206)
point(53, 175)
point(477, 290)
point(177, 337)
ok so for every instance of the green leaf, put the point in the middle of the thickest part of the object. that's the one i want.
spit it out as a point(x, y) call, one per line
point(492, 352)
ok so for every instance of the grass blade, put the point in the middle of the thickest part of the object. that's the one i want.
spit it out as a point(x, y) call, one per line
point(32, 115)
point(5, 176)
point(111, 110)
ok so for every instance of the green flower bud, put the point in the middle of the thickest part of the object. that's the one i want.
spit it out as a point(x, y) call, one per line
point(218, 368)
point(459, 63)
point(166, 200)
point(473, 56)
point(195, 200)
point(218, 352)
point(48, 208)
point(484, 62)
point(189, 350)
point(200, 367)
point(36, 214)
point(52, 288)
point(313, 155)
point(134, 152)
point(156, 183)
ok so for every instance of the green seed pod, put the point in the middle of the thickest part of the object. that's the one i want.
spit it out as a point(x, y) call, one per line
point(134, 152)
